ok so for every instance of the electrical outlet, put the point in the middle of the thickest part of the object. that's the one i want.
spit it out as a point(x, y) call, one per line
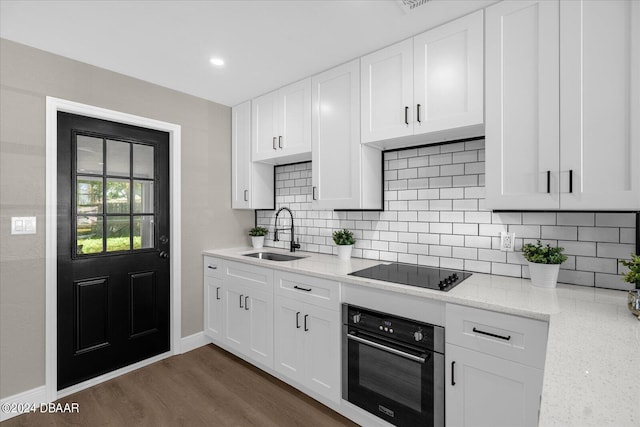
point(507, 241)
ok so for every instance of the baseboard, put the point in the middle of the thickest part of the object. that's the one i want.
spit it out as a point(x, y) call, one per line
point(19, 403)
point(194, 341)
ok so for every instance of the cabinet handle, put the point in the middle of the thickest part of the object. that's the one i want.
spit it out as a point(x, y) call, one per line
point(274, 143)
point(305, 323)
point(406, 116)
point(241, 296)
point(453, 372)
point(418, 113)
point(548, 181)
point(213, 267)
point(280, 142)
point(218, 292)
point(570, 180)
point(302, 289)
point(478, 331)
point(298, 320)
point(246, 195)
point(246, 302)
point(313, 193)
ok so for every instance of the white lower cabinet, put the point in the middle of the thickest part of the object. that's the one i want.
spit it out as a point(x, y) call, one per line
point(493, 369)
point(248, 311)
point(484, 390)
point(213, 299)
point(307, 332)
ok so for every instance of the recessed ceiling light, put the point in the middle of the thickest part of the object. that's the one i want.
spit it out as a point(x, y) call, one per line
point(218, 62)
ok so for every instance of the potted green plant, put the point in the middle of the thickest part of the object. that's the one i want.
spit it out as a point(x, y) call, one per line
point(633, 276)
point(257, 236)
point(345, 241)
point(544, 263)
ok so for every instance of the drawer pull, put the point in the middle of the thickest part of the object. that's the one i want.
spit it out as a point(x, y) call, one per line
point(305, 323)
point(241, 296)
point(246, 302)
point(298, 320)
point(213, 267)
point(302, 289)
point(218, 293)
point(478, 331)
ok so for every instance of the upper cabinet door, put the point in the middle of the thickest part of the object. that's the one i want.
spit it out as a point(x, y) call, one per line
point(600, 104)
point(337, 161)
point(448, 70)
point(241, 156)
point(264, 129)
point(295, 122)
point(522, 106)
point(387, 92)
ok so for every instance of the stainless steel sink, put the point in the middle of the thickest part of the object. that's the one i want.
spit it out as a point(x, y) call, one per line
point(272, 256)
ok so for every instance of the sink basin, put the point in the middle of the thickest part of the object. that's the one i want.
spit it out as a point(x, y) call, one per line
point(272, 256)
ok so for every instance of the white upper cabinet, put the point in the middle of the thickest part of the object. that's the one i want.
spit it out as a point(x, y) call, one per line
point(600, 105)
point(251, 183)
point(345, 173)
point(281, 131)
point(387, 92)
point(430, 84)
point(563, 134)
point(448, 76)
point(522, 123)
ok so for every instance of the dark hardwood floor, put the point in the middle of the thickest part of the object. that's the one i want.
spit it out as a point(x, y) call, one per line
point(205, 387)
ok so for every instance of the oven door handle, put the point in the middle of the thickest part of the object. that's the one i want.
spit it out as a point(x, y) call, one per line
point(387, 349)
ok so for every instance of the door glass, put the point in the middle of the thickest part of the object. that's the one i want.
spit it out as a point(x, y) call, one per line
point(89, 232)
point(143, 236)
point(142, 196)
point(118, 158)
point(89, 154)
point(118, 233)
point(142, 161)
point(392, 376)
point(89, 195)
point(117, 196)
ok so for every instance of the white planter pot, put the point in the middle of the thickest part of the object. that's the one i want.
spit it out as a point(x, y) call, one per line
point(257, 241)
point(344, 251)
point(544, 275)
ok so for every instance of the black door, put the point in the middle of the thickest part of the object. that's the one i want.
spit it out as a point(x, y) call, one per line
point(113, 243)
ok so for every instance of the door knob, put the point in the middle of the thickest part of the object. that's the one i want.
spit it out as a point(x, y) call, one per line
point(163, 254)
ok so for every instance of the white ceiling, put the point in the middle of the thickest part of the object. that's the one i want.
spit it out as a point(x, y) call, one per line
point(265, 43)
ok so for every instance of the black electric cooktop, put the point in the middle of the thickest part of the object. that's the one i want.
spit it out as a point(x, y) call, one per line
point(414, 275)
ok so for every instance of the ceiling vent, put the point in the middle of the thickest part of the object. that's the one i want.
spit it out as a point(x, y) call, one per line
point(410, 5)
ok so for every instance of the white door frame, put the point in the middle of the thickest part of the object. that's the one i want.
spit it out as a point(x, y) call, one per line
point(53, 105)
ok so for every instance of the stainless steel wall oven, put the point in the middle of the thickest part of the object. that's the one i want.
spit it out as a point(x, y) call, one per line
point(393, 367)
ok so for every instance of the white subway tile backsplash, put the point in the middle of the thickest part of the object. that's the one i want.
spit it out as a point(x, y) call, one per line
point(435, 215)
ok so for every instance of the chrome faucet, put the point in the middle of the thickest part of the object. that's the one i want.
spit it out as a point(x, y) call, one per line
point(293, 244)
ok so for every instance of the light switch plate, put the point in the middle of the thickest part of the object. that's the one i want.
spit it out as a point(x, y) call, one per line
point(23, 225)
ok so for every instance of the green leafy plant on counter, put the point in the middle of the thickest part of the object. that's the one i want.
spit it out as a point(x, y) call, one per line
point(543, 254)
point(633, 275)
point(258, 231)
point(343, 237)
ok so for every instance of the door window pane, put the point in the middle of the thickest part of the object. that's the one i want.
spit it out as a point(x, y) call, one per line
point(88, 195)
point(143, 236)
point(118, 195)
point(118, 233)
point(142, 161)
point(143, 196)
point(118, 158)
point(89, 154)
point(89, 234)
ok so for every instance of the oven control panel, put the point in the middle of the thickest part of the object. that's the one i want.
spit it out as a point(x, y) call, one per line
point(398, 328)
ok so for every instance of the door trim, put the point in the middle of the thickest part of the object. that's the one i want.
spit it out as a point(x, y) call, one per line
point(53, 105)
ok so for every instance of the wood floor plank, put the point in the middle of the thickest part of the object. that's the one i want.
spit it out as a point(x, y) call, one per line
point(204, 387)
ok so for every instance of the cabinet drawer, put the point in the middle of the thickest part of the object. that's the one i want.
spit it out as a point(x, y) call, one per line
point(212, 267)
point(312, 290)
point(506, 336)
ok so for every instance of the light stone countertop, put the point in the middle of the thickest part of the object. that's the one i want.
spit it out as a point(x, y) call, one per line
point(592, 367)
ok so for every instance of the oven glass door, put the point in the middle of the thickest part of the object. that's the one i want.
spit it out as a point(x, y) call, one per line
point(393, 382)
